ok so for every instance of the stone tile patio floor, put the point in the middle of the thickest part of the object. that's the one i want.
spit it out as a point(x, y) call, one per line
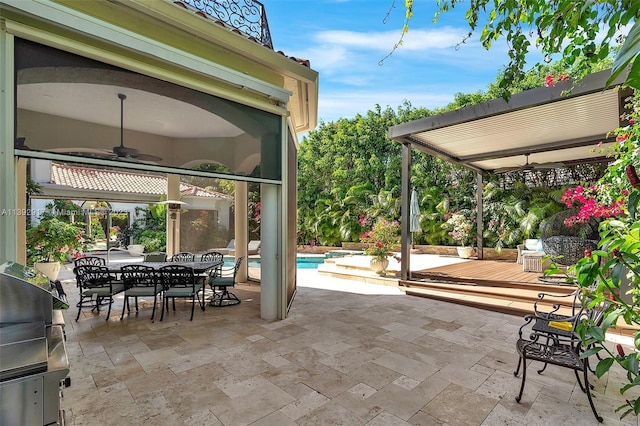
point(340, 358)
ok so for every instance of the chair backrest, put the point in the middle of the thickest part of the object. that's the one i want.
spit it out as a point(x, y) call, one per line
point(253, 245)
point(184, 256)
point(139, 276)
point(212, 256)
point(89, 260)
point(177, 276)
point(236, 268)
point(232, 244)
point(155, 257)
point(91, 276)
point(230, 272)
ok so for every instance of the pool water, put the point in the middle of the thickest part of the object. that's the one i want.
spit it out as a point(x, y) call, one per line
point(302, 262)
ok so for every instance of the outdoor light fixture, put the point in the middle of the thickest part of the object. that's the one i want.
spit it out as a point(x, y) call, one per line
point(174, 206)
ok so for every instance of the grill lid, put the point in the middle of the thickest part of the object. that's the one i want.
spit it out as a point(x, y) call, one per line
point(23, 350)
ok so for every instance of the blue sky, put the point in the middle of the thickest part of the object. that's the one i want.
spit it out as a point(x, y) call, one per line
point(346, 39)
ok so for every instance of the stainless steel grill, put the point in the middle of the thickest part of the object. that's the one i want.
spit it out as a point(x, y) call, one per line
point(33, 358)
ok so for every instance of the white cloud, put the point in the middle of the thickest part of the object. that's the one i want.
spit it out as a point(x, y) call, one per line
point(381, 41)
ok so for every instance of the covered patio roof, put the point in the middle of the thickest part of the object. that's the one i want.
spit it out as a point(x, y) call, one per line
point(564, 124)
point(552, 124)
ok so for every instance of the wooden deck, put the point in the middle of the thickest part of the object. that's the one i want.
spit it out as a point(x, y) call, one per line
point(489, 284)
point(482, 272)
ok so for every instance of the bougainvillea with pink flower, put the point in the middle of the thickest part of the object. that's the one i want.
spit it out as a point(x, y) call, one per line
point(590, 207)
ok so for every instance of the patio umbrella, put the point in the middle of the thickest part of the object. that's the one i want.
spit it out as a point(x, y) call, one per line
point(414, 215)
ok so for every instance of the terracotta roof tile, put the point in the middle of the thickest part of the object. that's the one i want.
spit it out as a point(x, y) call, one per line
point(123, 182)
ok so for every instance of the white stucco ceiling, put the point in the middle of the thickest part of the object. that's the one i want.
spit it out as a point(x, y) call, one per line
point(143, 111)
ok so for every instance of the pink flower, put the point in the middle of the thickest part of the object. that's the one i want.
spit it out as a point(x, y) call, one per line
point(548, 81)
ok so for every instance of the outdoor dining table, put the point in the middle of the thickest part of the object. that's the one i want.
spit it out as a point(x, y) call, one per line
point(198, 267)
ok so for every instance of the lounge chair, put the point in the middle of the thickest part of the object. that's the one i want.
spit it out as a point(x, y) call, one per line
point(227, 249)
point(252, 248)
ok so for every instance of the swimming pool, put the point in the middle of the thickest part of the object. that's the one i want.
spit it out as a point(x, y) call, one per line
point(303, 262)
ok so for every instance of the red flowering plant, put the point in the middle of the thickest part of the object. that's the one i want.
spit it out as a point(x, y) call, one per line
point(384, 234)
point(52, 239)
point(610, 275)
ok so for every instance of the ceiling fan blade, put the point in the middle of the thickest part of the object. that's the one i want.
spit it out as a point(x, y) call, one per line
point(547, 165)
point(507, 169)
point(88, 153)
point(147, 157)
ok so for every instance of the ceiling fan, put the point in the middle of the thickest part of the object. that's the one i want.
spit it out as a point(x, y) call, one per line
point(119, 152)
point(526, 167)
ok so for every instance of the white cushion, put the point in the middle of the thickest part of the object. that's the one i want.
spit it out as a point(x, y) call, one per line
point(531, 244)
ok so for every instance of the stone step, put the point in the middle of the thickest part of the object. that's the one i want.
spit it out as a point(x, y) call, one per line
point(358, 274)
point(511, 301)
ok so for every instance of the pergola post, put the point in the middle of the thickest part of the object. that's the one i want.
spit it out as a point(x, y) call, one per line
point(405, 264)
point(479, 216)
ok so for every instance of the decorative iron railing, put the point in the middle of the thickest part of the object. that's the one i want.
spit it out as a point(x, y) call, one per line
point(248, 16)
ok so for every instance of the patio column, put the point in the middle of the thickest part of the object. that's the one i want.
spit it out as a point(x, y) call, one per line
point(479, 217)
point(8, 202)
point(21, 196)
point(270, 251)
point(173, 216)
point(405, 263)
point(241, 228)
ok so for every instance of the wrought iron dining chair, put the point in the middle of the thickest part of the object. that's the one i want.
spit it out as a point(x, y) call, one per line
point(140, 281)
point(550, 337)
point(211, 256)
point(221, 280)
point(98, 285)
point(88, 260)
point(184, 256)
point(180, 281)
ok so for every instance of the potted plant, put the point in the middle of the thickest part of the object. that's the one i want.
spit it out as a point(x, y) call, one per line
point(460, 229)
point(383, 235)
point(49, 243)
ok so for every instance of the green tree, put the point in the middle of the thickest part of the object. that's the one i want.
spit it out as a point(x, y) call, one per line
point(583, 36)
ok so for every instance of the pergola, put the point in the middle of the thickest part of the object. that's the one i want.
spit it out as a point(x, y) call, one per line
point(548, 124)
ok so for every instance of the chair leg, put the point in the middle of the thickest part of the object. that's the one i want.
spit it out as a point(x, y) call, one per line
point(79, 308)
point(582, 387)
point(153, 312)
point(586, 381)
point(162, 307)
point(109, 310)
point(193, 305)
point(515, 373)
point(125, 304)
point(137, 310)
point(524, 377)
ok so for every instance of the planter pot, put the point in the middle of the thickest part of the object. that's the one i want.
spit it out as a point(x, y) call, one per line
point(50, 269)
point(465, 252)
point(136, 249)
point(379, 265)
